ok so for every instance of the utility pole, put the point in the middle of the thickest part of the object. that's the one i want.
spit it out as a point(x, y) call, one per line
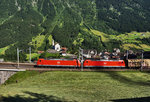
point(79, 54)
point(81, 57)
point(82, 60)
point(18, 57)
point(29, 54)
point(127, 55)
point(142, 61)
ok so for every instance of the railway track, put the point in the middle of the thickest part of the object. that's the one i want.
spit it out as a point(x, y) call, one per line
point(75, 69)
point(15, 65)
point(30, 66)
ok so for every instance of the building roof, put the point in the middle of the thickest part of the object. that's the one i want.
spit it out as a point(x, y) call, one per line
point(52, 51)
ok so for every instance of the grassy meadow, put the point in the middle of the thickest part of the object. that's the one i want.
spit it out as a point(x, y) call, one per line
point(56, 86)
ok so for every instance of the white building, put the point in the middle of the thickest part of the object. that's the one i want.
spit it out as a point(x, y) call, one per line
point(57, 47)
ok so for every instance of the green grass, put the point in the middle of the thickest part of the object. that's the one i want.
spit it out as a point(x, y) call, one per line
point(129, 40)
point(103, 35)
point(21, 76)
point(75, 86)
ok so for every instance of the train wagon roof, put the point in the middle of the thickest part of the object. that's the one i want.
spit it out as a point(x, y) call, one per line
point(58, 59)
point(102, 59)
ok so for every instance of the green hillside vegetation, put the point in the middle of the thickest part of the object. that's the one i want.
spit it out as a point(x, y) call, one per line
point(91, 24)
point(50, 55)
point(133, 40)
point(34, 56)
point(37, 41)
point(35, 86)
point(104, 37)
point(2, 50)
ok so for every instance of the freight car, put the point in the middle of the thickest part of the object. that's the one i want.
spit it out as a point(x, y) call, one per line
point(138, 63)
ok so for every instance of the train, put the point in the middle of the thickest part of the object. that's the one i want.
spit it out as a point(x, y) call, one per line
point(130, 61)
point(75, 63)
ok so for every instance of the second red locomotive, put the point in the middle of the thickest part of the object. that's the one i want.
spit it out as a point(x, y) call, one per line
point(104, 63)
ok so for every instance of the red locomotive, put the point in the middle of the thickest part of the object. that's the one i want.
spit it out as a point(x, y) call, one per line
point(104, 63)
point(58, 63)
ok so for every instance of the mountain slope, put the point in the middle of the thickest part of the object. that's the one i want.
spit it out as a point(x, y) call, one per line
point(72, 22)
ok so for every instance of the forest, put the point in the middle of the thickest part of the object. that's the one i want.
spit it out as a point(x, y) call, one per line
point(70, 23)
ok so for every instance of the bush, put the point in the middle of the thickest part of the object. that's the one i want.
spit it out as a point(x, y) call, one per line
point(50, 55)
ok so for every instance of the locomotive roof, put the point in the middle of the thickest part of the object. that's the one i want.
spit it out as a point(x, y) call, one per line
point(59, 59)
point(98, 59)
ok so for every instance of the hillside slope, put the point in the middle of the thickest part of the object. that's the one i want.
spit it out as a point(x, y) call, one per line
point(72, 22)
point(55, 86)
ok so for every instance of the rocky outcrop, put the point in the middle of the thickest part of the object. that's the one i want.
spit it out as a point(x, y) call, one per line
point(4, 75)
